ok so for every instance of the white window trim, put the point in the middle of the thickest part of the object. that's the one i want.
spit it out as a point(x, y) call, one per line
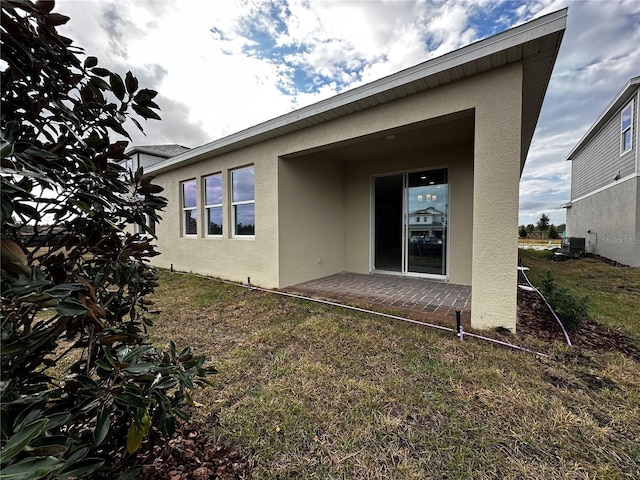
point(244, 202)
point(629, 128)
point(148, 222)
point(207, 206)
point(185, 209)
point(128, 164)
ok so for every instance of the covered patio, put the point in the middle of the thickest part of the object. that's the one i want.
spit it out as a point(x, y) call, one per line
point(415, 298)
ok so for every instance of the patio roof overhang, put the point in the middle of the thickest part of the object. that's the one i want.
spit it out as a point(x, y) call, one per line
point(535, 44)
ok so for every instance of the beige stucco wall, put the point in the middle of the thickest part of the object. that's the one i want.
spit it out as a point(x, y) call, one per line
point(496, 184)
point(311, 218)
point(229, 258)
point(612, 216)
point(306, 209)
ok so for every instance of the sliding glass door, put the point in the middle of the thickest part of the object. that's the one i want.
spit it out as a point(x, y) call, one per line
point(388, 237)
point(410, 222)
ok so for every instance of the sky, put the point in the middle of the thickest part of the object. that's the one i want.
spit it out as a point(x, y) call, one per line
point(220, 67)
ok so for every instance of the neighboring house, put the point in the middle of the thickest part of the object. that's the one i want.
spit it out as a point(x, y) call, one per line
point(329, 187)
point(145, 156)
point(605, 181)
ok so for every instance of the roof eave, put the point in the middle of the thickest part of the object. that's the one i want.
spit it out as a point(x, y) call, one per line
point(618, 102)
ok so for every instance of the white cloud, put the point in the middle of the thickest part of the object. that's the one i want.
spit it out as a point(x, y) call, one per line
point(224, 66)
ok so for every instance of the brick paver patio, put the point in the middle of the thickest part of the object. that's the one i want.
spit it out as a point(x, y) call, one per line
point(415, 298)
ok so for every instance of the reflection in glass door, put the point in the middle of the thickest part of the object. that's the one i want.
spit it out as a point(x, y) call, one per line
point(410, 222)
point(427, 204)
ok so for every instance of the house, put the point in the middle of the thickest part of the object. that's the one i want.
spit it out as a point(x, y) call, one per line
point(605, 181)
point(146, 155)
point(330, 187)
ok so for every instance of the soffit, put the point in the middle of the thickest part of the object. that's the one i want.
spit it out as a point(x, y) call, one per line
point(454, 129)
point(535, 43)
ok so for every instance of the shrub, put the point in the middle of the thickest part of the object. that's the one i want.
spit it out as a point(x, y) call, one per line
point(570, 308)
point(522, 232)
point(77, 296)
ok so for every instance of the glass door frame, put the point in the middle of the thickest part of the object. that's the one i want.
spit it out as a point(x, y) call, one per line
point(405, 226)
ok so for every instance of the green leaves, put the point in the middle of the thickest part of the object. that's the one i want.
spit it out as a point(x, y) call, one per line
point(21, 438)
point(137, 432)
point(90, 62)
point(31, 468)
point(103, 424)
point(74, 281)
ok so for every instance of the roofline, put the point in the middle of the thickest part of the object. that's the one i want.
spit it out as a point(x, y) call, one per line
point(150, 151)
point(618, 101)
point(548, 24)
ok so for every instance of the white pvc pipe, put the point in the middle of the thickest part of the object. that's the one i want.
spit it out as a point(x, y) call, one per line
point(564, 331)
point(372, 312)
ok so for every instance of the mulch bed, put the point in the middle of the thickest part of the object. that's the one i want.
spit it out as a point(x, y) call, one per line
point(192, 455)
point(535, 319)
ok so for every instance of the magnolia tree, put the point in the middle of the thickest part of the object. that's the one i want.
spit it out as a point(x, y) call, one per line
point(81, 387)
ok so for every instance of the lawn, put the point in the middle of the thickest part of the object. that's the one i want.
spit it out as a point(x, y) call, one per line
point(312, 391)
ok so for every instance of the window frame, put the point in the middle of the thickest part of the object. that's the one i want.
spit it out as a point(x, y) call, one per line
point(234, 204)
point(149, 223)
point(209, 206)
point(128, 164)
point(624, 130)
point(185, 209)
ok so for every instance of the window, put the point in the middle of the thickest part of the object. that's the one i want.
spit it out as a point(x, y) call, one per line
point(189, 208)
point(243, 202)
point(128, 169)
point(149, 223)
point(213, 203)
point(626, 130)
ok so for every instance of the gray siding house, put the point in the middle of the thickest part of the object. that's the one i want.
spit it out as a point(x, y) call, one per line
point(147, 155)
point(605, 181)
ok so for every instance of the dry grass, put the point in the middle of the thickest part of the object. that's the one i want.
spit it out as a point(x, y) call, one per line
point(310, 391)
point(538, 241)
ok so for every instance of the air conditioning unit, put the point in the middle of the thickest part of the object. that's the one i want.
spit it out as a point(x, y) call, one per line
point(574, 246)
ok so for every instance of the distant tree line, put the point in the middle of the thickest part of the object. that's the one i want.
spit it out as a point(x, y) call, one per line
point(542, 229)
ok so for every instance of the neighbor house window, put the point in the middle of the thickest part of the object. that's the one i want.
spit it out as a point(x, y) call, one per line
point(149, 223)
point(243, 202)
point(626, 130)
point(127, 164)
point(189, 208)
point(213, 203)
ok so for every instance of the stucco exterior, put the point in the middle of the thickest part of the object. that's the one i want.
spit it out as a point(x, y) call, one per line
point(609, 222)
point(315, 171)
point(313, 212)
